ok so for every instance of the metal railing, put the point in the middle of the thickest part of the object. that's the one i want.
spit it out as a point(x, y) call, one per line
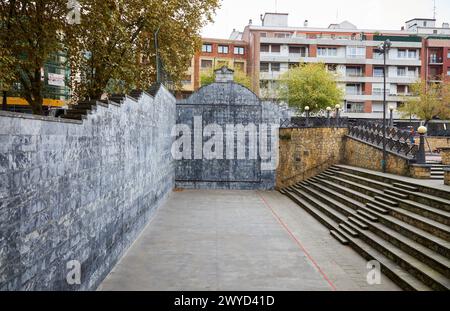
point(397, 141)
point(311, 122)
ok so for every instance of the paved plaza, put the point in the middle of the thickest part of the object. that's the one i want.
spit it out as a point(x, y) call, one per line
point(237, 240)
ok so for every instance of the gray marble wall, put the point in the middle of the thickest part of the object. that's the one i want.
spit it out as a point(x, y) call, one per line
point(80, 191)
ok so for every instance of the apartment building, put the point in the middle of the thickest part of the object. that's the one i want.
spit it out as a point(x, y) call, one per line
point(347, 51)
point(214, 54)
point(419, 50)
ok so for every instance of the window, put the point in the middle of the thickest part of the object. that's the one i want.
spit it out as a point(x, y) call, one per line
point(263, 34)
point(353, 89)
point(297, 50)
point(405, 53)
point(264, 84)
point(401, 71)
point(412, 72)
point(275, 67)
point(412, 53)
point(354, 71)
point(275, 48)
point(355, 107)
point(206, 63)
point(448, 54)
point(327, 52)
point(239, 50)
point(356, 52)
point(448, 71)
point(282, 35)
point(293, 65)
point(377, 89)
point(207, 48)
point(265, 48)
point(264, 67)
point(378, 71)
point(239, 66)
point(223, 49)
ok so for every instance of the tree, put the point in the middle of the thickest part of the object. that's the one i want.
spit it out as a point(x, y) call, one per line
point(115, 40)
point(208, 77)
point(428, 101)
point(30, 31)
point(309, 85)
point(7, 76)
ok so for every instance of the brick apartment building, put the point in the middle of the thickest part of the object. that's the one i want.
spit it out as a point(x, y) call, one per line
point(419, 50)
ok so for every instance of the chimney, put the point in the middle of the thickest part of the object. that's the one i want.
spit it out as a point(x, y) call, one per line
point(445, 25)
point(305, 23)
point(250, 21)
point(403, 28)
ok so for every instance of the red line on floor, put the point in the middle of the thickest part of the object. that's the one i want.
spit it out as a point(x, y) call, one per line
point(297, 241)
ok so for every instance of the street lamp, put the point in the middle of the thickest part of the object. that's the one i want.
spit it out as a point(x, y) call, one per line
point(384, 49)
point(307, 115)
point(328, 116)
point(337, 114)
point(391, 116)
point(421, 158)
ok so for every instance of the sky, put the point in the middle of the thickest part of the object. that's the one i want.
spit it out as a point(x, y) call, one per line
point(365, 14)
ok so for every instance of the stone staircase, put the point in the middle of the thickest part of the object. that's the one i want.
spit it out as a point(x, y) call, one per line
point(437, 171)
point(405, 227)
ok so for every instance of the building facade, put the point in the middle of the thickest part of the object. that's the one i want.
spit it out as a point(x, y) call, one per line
point(419, 51)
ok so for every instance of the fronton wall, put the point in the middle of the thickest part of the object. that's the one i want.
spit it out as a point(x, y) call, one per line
point(80, 191)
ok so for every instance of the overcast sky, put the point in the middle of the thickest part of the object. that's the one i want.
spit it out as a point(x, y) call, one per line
point(365, 14)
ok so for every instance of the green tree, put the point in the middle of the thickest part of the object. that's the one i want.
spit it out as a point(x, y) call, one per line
point(116, 41)
point(428, 101)
point(7, 76)
point(309, 85)
point(30, 31)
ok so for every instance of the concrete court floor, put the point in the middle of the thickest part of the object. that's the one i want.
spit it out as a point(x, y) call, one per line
point(237, 240)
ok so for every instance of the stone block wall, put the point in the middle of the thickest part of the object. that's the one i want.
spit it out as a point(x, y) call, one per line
point(433, 143)
point(362, 154)
point(307, 152)
point(80, 190)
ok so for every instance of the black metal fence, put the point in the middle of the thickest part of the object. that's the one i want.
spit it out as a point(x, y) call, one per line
point(399, 141)
point(311, 122)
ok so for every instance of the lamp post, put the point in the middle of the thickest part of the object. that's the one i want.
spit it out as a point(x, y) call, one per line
point(384, 49)
point(307, 115)
point(328, 116)
point(337, 107)
point(391, 116)
point(421, 158)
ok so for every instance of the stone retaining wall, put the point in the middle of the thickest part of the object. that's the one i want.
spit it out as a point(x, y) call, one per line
point(73, 191)
point(362, 154)
point(306, 152)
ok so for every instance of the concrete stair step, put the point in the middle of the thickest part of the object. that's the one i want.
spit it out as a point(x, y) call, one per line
point(358, 196)
point(426, 211)
point(394, 179)
point(338, 236)
point(367, 215)
point(343, 209)
point(317, 214)
point(365, 181)
point(414, 233)
point(358, 223)
point(356, 186)
point(405, 187)
point(377, 209)
point(346, 226)
point(330, 212)
point(420, 270)
point(338, 196)
point(396, 273)
point(397, 194)
point(430, 200)
point(430, 257)
point(386, 201)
